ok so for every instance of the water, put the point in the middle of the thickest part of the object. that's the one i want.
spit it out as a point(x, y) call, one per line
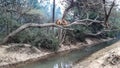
point(65, 61)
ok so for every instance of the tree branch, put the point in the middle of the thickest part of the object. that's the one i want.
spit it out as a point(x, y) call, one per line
point(105, 10)
point(112, 5)
point(68, 8)
point(28, 25)
point(107, 14)
point(83, 22)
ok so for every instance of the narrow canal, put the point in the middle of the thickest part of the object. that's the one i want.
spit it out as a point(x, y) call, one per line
point(65, 61)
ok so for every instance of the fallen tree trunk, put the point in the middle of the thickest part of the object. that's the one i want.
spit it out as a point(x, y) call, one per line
point(23, 27)
point(28, 25)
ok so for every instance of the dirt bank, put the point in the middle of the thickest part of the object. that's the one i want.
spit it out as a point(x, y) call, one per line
point(20, 54)
point(108, 57)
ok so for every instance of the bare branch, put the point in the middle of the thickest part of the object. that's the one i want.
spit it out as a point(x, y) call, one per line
point(87, 15)
point(68, 8)
point(104, 6)
point(90, 20)
point(82, 22)
point(112, 5)
point(96, 17)
point(107, 15)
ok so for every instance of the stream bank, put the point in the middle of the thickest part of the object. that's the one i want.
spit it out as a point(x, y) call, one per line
point(108, 57)
point(17, 57)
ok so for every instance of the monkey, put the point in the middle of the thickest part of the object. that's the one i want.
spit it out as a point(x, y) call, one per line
point(58, 22)
point(62, 22)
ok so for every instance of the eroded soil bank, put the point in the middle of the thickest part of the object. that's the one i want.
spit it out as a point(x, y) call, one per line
point(108, 57)
point(19, 54)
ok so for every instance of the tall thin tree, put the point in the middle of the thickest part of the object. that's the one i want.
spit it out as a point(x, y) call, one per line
point(53, 17)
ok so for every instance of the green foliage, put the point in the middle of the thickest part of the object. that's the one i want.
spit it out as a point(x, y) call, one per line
point(79, 35)
point(95, 27)
point(75, 36)
point(7, 25)
point(47, 42)
point(113, 34)
point(36, 38)
point(93, 15)
point(9, 21)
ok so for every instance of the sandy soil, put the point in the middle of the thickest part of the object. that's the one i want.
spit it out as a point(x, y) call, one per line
point(13, 54)
point(108, 57)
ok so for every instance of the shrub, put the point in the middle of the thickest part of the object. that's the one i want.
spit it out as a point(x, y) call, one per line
point(79, 35)
point(36, 38)
point(47, 42)
point(76, 35)
point(112, 34)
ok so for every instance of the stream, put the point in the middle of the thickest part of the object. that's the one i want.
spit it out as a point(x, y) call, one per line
point(65, 61)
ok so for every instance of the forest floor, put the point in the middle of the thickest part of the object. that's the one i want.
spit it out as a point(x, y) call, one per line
point(18, 54)
point(108, 57)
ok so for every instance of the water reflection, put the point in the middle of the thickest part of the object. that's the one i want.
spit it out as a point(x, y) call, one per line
point(62, 65)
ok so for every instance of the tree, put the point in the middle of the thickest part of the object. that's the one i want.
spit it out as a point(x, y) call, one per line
point(86, 8)
point(107, 13)
point(53, 18)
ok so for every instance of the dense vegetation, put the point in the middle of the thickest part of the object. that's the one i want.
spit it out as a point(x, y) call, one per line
point(92, 14)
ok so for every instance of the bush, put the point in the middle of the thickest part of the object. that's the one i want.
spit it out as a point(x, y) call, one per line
point(79, 35)
point(36, 38)
point(112, 34)
point(47, 43)
point(75, 36)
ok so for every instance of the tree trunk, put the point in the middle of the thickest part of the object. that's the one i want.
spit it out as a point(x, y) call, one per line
point(53, 18)
point(107, 14)
point(28, 25)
